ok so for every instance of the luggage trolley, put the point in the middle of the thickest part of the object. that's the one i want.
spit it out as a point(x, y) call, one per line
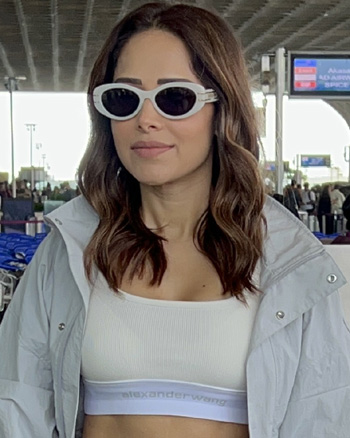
point(10, 274)
point(8, 283)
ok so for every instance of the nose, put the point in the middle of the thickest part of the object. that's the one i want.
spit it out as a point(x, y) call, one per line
point(148, 117)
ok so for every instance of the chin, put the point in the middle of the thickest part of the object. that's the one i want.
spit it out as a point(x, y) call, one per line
point(154, 180)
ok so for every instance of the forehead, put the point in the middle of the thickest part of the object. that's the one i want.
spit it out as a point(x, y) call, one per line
point(154, 53)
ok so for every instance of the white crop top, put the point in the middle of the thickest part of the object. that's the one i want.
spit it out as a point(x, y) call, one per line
point(146, 356)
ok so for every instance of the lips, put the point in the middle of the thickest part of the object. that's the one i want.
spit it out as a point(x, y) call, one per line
point(150, 149)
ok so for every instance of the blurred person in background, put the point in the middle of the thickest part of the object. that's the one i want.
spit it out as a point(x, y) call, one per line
point(4, 190)
point(308, 200)
point(345, 238)
point(296, 192)
point(22, 190)
point(337, 199)
point(324, 216)
point(290, 200)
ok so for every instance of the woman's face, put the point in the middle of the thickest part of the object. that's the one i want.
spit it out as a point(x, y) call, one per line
point(148, 60)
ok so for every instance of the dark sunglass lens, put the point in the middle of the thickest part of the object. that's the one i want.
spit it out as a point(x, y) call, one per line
point(176, 101)
point(120, 102)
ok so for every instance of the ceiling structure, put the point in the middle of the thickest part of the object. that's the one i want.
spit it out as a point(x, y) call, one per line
point(53, 43)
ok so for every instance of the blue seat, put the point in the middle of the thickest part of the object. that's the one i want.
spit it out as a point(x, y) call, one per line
point(11, 264)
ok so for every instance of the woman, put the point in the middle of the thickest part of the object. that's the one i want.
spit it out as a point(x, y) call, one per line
point(171, 299)
point(290, 201)
point(324, 216)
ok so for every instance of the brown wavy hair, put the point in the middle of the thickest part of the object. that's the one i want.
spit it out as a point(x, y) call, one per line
point(231, 231)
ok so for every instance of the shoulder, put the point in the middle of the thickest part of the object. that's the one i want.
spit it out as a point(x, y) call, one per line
point(76, 208)
point(76, 221)
point(296, 260)
point(288, 241)
point(281, 221)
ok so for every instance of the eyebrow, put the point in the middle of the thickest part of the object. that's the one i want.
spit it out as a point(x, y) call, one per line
point(160, 81)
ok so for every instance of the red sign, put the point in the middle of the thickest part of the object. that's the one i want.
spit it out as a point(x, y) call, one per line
point(305, 70)
point(305, 84)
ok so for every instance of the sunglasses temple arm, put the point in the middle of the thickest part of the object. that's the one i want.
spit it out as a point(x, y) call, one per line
point(209, 96)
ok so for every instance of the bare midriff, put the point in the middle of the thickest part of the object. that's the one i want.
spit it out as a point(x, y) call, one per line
point(149, 426)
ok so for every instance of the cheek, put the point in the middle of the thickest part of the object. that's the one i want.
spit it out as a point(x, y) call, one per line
point(120, 133)
point(199, 130)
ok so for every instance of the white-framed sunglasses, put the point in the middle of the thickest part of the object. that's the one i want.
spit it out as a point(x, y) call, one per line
point(175, 100)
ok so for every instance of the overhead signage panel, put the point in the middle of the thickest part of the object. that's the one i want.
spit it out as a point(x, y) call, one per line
point(315, 160)
point(323, 75)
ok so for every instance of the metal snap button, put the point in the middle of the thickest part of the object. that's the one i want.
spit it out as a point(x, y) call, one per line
point(332, 278)
point(280, 314)
point(61, 326)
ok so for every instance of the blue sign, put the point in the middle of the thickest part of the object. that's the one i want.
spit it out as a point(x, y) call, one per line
point(319, 75)
point(315, 161)
point(271, 166)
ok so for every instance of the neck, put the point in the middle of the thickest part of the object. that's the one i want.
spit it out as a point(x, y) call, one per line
point(173, 210)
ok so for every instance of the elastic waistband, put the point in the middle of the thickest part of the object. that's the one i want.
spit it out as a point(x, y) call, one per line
point(165, 397)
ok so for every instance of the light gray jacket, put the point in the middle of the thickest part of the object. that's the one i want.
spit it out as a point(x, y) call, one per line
point(298, 367)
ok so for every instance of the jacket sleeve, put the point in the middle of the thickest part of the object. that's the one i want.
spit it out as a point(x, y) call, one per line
point(320, 402)
point(26, 384)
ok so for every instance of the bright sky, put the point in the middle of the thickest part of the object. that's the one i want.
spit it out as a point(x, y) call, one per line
point(62, 129)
